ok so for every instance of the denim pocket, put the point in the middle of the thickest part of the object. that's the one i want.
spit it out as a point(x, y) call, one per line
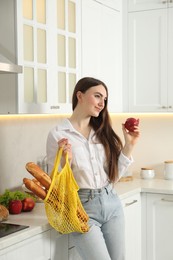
point(84, 198)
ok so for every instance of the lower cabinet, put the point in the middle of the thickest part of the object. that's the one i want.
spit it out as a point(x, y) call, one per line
point(159, 227)
point(132, 213)
point(59, 246)
point(35, 248)
point(73, 254)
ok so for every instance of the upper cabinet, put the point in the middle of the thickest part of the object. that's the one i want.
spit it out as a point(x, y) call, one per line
point(150, 56)
point(61, 41)
point(127, 44)
point(101, 47)
point(139, 5)
point(8, 58)
point(48, 47)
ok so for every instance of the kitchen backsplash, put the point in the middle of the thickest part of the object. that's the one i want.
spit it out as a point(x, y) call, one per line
point(23, 139)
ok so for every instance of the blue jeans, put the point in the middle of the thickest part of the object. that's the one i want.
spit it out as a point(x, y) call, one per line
point(105, 239)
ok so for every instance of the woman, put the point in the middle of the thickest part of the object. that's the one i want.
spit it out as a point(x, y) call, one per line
point(98, 159)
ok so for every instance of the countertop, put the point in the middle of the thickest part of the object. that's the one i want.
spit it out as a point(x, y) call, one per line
point(125, 189)
point(37, 220)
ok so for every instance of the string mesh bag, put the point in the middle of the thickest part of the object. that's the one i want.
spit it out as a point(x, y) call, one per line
point(63, 207)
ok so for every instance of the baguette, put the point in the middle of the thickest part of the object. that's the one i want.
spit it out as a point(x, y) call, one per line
point(4, 213)
point(39, 174)
point(36, 189)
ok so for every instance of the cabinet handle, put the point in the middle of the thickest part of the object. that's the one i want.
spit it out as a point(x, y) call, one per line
point(130, 203)
point(171, 1)
point(164, 2)
point(54, 107)
point(166, 107)
point(168, 200)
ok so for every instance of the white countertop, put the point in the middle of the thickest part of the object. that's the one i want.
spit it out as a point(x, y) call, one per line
point(37, 220)
point(125, 189)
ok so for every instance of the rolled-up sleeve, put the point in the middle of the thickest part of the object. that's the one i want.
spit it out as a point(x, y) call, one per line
point(123, 164)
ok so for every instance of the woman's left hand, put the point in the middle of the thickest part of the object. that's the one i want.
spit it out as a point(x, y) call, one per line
point(131, 139)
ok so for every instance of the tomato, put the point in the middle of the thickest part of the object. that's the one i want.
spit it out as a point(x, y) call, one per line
point(28, 204)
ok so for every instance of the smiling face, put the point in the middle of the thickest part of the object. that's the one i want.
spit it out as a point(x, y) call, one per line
point(92, 102)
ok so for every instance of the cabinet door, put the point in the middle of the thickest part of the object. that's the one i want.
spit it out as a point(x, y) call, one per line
point(73, 254)
point(115, 4)
point(48, 48)
point(2, 257)
point(147, 64)
point(101, 48)
point(35, 248)
point(59, 246)
point(8, 82)
point(132, 212)
point(170, 58)
point(159, 227)
point(136, 5)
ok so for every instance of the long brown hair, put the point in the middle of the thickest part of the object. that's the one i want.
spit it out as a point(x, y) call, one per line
point(102, 126)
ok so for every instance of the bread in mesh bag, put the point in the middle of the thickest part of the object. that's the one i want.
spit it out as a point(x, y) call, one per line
point(63, 207)
point(4, 213)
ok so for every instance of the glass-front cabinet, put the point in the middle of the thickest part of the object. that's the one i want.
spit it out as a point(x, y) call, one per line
point(48, 48)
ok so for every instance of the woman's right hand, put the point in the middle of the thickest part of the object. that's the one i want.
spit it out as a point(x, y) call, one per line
point(66, 146)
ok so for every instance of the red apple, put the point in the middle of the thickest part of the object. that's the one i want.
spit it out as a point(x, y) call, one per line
point(131, 123)
point(15, 206)
point(28, 204)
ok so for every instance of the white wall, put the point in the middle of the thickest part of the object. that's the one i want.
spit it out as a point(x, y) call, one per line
point(23, 139)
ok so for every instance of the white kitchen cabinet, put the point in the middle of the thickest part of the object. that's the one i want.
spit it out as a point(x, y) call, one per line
point(101, 47)
point(48, 35)
point(170, 56)
point(73, 254)
point(86, 42)
point(150, 56)
point(132, 212)
point(59, 246)
point(8, 81)
point(138, 5)
point(62, 248)
point(115, 4)
point(35, 248)
point(159, 227)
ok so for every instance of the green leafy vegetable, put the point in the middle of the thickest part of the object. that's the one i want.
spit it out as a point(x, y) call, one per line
point(13, 195)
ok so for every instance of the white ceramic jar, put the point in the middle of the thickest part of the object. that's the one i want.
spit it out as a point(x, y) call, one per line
point(147, 173)
point(168, 170)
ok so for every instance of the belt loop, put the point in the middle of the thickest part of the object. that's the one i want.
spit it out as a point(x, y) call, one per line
point(92, 194)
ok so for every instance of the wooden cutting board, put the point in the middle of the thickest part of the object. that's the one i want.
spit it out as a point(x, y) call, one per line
point(126, 178)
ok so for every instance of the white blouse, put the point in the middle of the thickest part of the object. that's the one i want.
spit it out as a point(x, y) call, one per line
point(89, 163)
